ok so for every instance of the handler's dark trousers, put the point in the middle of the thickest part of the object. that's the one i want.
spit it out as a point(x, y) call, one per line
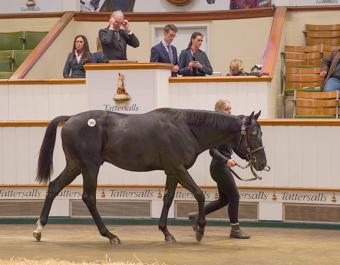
point(227, 191)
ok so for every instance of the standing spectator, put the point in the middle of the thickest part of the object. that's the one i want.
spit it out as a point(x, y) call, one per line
point(80, 55)
point(330, 71)
point(192, 60)
point(227, 190)
point(116, 37)
point(164, 52)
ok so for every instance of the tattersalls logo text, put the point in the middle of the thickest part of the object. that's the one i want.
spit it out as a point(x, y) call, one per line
point(121, 98)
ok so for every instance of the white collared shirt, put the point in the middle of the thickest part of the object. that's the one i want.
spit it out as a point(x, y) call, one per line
point(78, 56)
point(166, 45)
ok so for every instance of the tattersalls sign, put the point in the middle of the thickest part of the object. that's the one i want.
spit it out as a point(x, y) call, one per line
point(281, 196)
point(121, 98)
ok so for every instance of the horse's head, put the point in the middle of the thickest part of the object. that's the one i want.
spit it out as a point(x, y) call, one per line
point(250, 145)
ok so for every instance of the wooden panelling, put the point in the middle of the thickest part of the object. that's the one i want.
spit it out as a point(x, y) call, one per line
point(179, 16)
point(247, 210)
point(323, 34)
point(218, 79)
point(331, 27)
point(22, 208)
point(113, 208)
point(302, 63)
point(312, 213)
point(130, 66)
point(316, 95)
point(303, 56)
point(307, 70)
point(47, 81)
point(31, 15)
point(313, 48)
point(303, 78)
point(315, 103)
point(322, 41)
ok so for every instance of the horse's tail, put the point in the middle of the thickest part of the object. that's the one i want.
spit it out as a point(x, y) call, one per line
point(45, 162)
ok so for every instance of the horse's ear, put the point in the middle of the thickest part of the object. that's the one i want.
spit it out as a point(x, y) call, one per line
point(249, 118)
point(257, 115)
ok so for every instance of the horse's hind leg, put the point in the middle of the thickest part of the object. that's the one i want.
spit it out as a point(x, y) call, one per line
point(89, 197)
point(170, 188)
point(55, 186)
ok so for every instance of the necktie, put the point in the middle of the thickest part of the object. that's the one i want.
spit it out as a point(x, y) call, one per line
point(117, 34)
point(170, 53)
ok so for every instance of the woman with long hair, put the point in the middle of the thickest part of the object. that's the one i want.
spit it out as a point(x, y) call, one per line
point(227, 190)
point(193, 61)
point(80, 55)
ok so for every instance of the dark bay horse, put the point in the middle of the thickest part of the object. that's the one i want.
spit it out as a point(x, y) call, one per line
point(163, 139)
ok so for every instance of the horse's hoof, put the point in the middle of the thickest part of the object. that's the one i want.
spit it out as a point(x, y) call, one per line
point(37, 235)
point(170, 239)
point(115, 241)
point(193, 218)
point(199, 235)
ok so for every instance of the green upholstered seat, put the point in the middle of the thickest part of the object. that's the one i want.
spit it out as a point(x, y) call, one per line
point(32, 38)
point(11, 40)
point(6, 66)
point(5, 75)
point(20, 56)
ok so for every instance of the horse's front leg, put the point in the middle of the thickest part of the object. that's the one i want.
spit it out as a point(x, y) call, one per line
point(170, 188)
point(187, 182)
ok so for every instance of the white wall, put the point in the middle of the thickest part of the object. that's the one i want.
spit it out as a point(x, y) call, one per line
point(299, 156)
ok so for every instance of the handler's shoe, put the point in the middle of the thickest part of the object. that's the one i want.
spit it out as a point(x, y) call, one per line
point(193, 218)
point(236, 232)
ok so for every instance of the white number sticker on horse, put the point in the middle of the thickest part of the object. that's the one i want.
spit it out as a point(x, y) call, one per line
point(91, 122)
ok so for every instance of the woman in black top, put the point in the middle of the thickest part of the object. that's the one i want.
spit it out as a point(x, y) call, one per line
point(227, 189)
point(193, 61)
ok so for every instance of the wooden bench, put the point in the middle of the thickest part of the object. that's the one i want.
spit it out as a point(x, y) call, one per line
point(327, 49)
point(301, 68)
point(322, 34)
point(316, 104)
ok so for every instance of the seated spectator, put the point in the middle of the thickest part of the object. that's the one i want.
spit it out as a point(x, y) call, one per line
point(192, 60)
point(80, 55)
point(164, 52)
point(330, 71)
point(236, 68)
point(98, 56)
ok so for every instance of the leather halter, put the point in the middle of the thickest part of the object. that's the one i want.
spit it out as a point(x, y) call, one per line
point(251, 159)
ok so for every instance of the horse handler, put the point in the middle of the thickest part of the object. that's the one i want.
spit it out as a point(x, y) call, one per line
point(227, 189)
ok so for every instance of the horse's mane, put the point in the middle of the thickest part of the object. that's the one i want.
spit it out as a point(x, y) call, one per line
point(204, 118)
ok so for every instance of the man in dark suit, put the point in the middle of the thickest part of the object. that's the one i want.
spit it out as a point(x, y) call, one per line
point(164, 52)
point(116, 37)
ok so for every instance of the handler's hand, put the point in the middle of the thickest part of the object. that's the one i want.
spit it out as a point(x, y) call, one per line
point(231, 163)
